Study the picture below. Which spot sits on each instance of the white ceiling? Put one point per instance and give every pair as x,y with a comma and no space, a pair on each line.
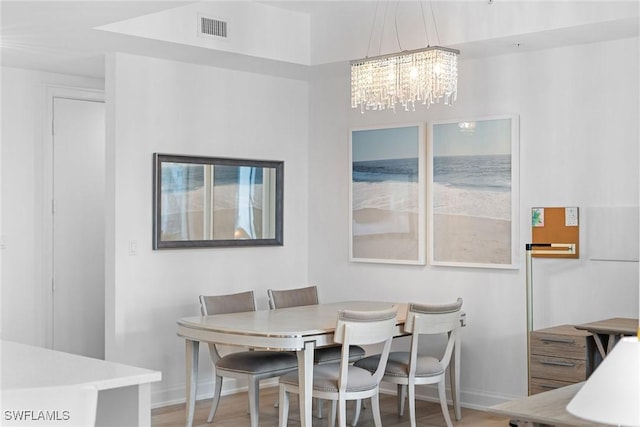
62,36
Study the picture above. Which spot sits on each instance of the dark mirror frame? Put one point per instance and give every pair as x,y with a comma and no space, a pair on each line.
159,159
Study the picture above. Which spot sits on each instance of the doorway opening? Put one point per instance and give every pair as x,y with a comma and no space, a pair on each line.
75,223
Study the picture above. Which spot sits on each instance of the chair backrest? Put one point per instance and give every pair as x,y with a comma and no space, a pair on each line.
71,406
293,297
223,304
432,319
230,303
364,328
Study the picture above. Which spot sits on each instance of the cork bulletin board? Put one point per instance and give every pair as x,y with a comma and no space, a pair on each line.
556,225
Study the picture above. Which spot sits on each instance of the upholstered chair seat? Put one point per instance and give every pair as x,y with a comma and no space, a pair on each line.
257,362
398,365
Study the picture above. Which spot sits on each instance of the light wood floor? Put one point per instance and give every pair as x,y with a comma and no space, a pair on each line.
232,412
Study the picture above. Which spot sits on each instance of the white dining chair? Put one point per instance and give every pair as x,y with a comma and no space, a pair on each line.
342,381
248,365
300,297
64,406
410,368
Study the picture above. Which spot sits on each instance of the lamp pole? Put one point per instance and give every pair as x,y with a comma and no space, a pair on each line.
539,249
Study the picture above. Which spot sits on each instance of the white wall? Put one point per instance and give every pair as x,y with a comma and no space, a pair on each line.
578,109
24,285
170,107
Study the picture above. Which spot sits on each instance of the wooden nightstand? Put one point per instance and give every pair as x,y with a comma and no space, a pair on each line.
559,356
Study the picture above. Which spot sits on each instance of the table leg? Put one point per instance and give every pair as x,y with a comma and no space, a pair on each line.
191,362
598,341
611,343
305,381
455,378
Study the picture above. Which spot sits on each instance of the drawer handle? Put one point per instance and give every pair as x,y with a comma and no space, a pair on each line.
560,340
558,363
550,386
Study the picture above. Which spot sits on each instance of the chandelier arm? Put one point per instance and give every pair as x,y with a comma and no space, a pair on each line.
424,24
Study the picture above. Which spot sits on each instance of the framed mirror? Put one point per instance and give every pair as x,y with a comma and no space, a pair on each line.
212,202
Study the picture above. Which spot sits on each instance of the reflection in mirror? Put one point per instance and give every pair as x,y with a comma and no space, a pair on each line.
205,201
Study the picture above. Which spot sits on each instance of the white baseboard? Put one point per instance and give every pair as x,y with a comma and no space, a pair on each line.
175,395
473,399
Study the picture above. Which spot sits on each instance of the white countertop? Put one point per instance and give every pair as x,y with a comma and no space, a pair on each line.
25,366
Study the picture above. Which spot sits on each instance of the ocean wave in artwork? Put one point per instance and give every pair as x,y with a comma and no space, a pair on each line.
386,195
450,200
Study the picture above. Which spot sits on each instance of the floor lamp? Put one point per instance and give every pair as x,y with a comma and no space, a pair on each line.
539,249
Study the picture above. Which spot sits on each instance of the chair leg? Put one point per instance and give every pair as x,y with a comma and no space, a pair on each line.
319,408
402,395
443,402
333,413
283,407
455,393
375,408
217,390
254,402
342,412
356,416
411,387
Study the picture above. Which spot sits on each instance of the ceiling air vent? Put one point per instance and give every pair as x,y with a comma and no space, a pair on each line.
213,27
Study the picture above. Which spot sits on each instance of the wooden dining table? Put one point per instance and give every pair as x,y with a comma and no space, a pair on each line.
299,329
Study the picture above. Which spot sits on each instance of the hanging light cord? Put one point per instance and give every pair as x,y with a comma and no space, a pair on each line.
373,26
384,21
424,24
395,18
434,21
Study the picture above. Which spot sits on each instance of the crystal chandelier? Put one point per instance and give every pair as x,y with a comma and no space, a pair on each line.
425,76
422,76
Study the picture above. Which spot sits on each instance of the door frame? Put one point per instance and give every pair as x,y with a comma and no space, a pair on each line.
52,92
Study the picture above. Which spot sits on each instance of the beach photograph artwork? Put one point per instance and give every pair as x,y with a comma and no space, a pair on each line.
472,192
387,196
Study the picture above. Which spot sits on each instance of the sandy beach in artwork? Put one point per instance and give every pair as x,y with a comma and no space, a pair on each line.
385,234
469,239
472,210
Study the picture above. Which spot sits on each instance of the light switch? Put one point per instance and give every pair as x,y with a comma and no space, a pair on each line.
571,217
133,247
